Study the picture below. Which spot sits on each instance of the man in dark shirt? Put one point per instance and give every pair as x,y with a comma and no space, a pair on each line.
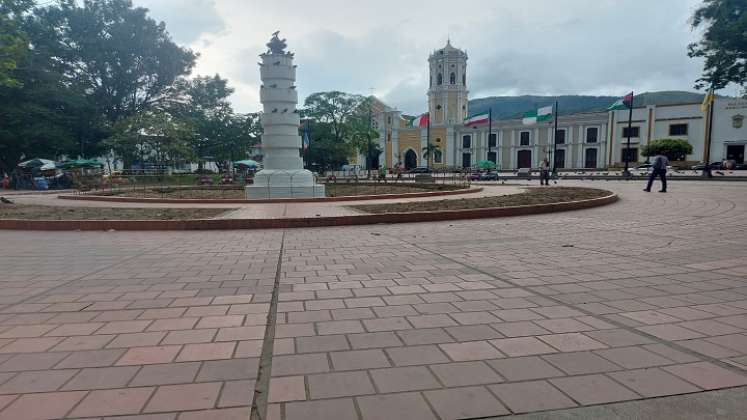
659,168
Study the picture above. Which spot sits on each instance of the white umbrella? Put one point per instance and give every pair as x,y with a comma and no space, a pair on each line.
44,164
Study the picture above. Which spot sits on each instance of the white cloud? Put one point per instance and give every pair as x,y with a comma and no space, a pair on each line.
546,47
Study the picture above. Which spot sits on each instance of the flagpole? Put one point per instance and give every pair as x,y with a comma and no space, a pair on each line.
554,142
626,172
428,142
707,152
490,132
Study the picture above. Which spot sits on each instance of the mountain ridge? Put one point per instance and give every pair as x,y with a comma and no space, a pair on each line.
505,107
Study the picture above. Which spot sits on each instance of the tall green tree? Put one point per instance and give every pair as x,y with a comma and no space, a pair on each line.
324,152
335,109
123,59
14,43
221,135
724,42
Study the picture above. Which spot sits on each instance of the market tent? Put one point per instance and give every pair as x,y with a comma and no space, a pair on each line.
486,164
246,164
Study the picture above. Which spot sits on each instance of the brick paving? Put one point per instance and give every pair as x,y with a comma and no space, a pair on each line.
640,299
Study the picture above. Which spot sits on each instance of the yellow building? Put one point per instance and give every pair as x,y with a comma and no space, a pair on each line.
447,108
582,139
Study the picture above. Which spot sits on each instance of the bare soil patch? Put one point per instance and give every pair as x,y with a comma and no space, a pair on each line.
532,196
237,193
36,212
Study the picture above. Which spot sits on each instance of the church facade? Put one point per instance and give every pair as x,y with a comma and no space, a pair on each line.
589,140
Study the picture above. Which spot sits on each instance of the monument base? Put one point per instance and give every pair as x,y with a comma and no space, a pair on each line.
275,183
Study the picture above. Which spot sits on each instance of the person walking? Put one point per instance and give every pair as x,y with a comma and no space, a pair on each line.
658,168
544,172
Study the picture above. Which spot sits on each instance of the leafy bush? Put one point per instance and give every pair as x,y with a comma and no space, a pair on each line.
673,149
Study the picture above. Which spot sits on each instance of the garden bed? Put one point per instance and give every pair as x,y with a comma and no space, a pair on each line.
532,196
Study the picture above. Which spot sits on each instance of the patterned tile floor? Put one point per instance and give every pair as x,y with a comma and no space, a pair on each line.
456,320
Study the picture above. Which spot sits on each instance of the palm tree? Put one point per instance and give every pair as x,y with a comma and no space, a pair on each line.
428,152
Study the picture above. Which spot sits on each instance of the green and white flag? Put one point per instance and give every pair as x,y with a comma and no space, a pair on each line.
540,115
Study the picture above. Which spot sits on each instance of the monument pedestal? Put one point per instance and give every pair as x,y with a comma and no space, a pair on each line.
279,183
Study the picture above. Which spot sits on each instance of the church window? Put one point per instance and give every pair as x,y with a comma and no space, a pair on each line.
437,156
438,106
466,142
452,78
440,79
464,79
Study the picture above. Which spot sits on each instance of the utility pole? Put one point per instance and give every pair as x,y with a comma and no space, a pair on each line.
707,150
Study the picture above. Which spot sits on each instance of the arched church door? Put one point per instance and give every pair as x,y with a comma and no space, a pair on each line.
411,159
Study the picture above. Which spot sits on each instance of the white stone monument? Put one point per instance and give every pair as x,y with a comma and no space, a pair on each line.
282,175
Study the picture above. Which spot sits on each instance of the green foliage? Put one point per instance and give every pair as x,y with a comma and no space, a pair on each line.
152,136
219,134
673,149
724,43
340,112
13,41
71,72
325,152
428,153
124,59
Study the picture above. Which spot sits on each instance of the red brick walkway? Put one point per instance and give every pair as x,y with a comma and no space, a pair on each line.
640,299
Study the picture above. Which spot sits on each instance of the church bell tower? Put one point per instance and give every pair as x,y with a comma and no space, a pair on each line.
447,93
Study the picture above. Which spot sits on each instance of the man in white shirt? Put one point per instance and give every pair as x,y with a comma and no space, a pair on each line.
659,168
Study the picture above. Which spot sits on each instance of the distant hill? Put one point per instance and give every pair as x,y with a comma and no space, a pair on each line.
515,106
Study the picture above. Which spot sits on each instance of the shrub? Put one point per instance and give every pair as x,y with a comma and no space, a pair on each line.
673,149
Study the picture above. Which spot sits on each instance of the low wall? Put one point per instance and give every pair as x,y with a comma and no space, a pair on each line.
116,199
366,219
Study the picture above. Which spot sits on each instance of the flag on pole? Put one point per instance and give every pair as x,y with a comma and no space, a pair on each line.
709,97
419,121
306,140
477,119
540,115
625,102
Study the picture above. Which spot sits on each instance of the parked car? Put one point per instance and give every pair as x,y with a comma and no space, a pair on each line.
420,170
714,166
474,176
489,176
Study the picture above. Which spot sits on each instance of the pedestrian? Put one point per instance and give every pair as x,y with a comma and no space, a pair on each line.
658,168
399,172
544,172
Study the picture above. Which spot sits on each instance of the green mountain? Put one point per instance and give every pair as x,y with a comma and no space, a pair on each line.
515,106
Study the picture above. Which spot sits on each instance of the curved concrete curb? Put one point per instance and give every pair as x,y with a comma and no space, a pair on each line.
115,199
367,219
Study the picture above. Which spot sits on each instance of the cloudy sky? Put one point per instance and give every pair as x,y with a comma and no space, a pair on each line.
514,46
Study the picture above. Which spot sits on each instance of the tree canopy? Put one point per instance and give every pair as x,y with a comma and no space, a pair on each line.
83,78
673,149
724,42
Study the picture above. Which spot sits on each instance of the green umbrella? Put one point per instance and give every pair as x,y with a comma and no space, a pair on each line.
486,164
248,163
82,163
